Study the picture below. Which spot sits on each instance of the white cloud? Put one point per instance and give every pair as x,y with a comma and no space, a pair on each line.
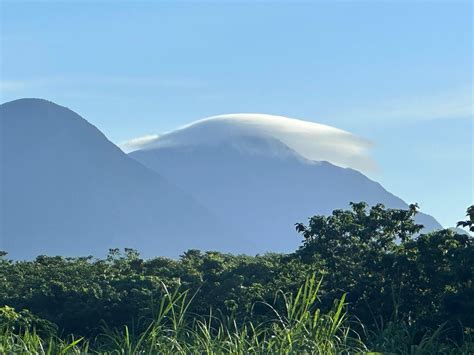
137,143
311,140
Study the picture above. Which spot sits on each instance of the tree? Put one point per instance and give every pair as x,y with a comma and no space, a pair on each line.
470,222
379,258
355,249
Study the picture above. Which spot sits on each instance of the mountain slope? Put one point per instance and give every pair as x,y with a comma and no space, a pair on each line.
311,140
67,190
258,184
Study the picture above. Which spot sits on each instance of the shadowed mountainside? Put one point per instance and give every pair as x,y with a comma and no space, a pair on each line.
259,185
68,190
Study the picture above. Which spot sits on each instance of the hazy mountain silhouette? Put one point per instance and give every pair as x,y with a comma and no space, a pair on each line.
67,190
258,184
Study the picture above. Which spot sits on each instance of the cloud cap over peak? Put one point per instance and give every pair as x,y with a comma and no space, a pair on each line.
311,140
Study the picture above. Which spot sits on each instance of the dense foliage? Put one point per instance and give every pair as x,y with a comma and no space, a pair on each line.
400,291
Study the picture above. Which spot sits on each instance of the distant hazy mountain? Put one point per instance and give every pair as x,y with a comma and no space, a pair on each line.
230,183
459,231
239,167
65,189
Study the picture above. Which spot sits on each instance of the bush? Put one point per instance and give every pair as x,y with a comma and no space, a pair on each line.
401,291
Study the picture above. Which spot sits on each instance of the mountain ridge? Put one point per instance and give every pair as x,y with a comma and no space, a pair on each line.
311,140
66,189
64,184
279,190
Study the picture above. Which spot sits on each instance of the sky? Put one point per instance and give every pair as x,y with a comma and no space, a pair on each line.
398,73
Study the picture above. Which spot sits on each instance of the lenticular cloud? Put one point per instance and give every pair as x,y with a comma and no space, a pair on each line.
311,140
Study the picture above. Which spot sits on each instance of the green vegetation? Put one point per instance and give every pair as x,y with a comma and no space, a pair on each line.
362,281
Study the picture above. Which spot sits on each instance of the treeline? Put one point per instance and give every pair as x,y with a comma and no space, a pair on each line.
400,290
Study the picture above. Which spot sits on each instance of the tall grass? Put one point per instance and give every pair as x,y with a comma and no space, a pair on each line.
301,328
398,338
29,342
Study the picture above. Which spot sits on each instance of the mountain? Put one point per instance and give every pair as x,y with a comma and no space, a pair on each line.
311,140
459,231
234,183
260,181
66,189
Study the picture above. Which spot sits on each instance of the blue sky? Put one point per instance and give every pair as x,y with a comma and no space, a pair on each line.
398,73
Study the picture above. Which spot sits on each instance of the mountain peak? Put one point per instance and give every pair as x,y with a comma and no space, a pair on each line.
313,141
25,100
63,183
40,124
33,104
40,114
